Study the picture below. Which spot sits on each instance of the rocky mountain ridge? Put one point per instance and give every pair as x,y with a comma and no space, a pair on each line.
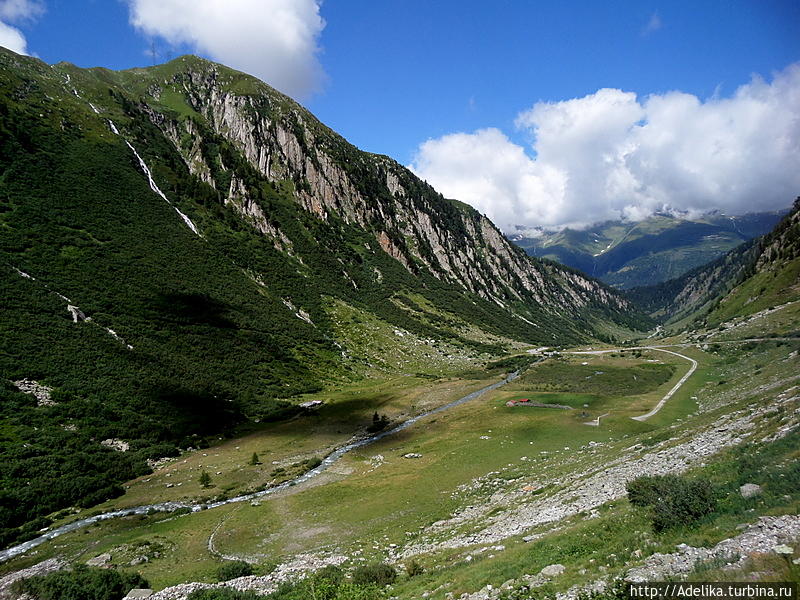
407,217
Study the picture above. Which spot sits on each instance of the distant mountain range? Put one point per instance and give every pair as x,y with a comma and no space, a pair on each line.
659,248
757,275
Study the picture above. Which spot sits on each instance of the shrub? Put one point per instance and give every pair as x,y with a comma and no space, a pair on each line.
82,583
313,463
380,574
331,574
673,500
328,583
234,569
414,568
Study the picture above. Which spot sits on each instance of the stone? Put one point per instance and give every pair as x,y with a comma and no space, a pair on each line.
412,455
139,560
783,549
100,560
552,570
138,593
750,490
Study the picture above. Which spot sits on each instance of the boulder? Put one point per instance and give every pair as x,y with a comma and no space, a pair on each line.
100,560
552,570
750,490
138,593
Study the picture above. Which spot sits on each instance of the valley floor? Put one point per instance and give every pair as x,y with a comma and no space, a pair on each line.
484,495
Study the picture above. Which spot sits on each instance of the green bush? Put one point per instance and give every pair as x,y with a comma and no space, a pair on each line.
82,583
313,463
379,574
414,568
673,500
234,569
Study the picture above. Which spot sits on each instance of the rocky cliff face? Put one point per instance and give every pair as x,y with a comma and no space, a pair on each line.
408,219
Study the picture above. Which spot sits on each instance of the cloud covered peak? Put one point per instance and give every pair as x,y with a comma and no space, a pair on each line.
610,155
275,40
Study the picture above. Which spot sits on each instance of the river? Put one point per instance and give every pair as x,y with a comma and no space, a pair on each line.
326,463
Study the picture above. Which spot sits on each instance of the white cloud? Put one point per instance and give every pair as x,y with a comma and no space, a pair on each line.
12,38
275,40
610,155
15,11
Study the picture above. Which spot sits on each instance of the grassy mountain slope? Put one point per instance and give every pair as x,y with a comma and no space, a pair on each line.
660,248
251,268
757,275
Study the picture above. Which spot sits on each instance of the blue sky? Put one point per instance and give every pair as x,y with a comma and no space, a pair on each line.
393,74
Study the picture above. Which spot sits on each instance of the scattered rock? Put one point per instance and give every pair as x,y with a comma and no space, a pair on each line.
37,390
43,568
768,534
116,444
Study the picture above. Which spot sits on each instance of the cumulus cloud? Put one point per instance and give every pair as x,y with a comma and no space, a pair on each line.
612,155
275,40
16,11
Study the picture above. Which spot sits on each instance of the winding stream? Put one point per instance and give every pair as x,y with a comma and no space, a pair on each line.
326,463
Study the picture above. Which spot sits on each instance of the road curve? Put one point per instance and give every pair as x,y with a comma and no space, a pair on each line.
670,393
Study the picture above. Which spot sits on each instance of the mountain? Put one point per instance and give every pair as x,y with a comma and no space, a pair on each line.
184,249
659,248
755,276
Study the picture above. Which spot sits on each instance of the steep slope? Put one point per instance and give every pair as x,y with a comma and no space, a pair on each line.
184,248
660,248
757,275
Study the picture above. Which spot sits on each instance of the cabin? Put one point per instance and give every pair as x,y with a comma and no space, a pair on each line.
520,401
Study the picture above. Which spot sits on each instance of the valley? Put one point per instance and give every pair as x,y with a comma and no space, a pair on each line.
243,357
458,491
